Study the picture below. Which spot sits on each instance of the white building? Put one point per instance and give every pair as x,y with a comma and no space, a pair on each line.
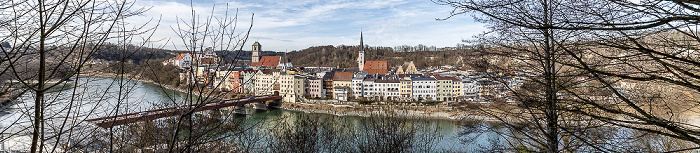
388,89
290,87
182,60
470,88
357,86
424,89
267,84
368,89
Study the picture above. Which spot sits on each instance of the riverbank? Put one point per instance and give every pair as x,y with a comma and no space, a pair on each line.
111,75
388,110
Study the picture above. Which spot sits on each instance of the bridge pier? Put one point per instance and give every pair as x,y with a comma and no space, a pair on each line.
274,103
260,106
239,110
214,113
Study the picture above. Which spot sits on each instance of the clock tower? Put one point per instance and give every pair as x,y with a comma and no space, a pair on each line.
256,49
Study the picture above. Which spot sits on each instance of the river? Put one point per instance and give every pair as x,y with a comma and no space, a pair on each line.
97,97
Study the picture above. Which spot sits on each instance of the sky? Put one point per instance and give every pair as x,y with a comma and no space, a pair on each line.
289,25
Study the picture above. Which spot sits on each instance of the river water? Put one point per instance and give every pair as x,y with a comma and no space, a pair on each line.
97,97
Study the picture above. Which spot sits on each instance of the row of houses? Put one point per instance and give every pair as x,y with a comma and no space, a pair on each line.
349,84
371,80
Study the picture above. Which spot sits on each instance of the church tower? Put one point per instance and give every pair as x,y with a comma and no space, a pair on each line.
256,56
361,55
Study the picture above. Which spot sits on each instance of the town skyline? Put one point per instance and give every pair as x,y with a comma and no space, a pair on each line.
289,26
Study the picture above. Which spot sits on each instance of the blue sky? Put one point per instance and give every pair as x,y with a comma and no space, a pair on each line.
294,25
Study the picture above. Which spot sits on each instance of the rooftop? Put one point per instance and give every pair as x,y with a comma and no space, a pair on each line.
343,76
423,79
268,61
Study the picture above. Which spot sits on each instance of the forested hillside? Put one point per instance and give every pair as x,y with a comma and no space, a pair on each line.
346,56
111,52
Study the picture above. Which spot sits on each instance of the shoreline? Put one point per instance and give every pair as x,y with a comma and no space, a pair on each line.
110,75
386,111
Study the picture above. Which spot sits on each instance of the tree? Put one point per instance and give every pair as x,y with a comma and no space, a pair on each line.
48,42
521,39
616,45
198,35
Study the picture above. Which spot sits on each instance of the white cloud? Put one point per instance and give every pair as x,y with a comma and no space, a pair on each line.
294,25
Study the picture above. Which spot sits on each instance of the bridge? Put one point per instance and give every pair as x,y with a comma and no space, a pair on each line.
238,105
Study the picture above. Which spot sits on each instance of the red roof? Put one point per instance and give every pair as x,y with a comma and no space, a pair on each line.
376,67
453,79
268,61
342,76
179,57
208,60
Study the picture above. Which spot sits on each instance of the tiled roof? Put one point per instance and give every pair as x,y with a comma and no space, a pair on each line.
179,57
342,76
268,61
387,81
423,79
376,67
208,60
453,79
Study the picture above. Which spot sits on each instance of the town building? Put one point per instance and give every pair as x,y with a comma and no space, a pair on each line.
388,89
328,84
487,89
268,61
315,89
456,88
407,68
182,61
267,84
292,87
248,81
207,57
228,80
376,67
342,83
424,89
357,85
406,89
443,87
470,89
368,90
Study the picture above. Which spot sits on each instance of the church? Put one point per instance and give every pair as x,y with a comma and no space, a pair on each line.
267,61
372,67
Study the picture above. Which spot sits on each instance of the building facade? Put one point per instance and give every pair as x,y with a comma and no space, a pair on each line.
316,88
424,89
406,89
443,87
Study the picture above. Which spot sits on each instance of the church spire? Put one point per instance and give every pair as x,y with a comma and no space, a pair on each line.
362,46
361,55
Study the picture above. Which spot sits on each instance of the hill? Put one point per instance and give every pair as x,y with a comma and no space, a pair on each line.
346,56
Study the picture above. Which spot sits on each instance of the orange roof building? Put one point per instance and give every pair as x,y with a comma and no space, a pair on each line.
376,67
268,61
342,76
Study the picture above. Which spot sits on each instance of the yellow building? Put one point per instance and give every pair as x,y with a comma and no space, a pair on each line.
405,88
457,88
342,80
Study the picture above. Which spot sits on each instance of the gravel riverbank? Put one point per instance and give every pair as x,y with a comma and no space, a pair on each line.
391,111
